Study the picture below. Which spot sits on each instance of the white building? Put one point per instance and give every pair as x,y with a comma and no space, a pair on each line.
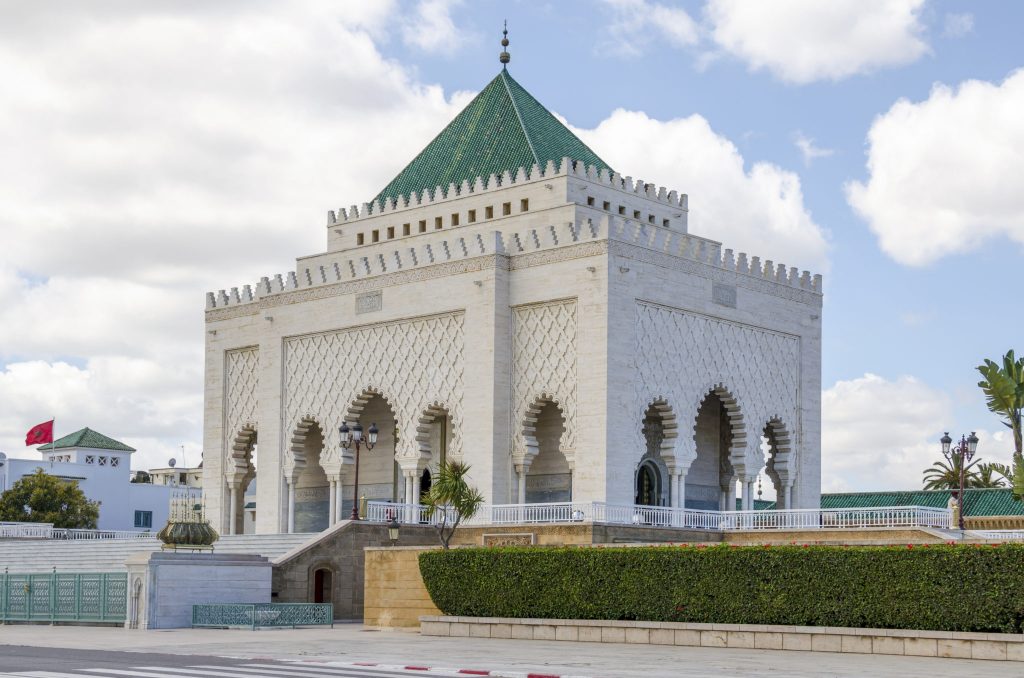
177,476
510,300
101,466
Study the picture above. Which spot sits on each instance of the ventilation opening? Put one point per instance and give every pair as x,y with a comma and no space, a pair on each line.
375,237
524,205
636,214
506,209
666,223
471,216
650,218
360,238
406,229
438,223
391,232
455,219
423,226
606,206
489,212
590,201
622,209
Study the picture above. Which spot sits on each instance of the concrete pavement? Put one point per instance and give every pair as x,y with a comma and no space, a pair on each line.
354,643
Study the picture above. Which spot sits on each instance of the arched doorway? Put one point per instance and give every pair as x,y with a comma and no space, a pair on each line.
549,478
323,581
312,488
380,476
648,485
425,482
711,479
240,475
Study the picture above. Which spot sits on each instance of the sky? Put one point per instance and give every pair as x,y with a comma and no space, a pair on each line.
156,151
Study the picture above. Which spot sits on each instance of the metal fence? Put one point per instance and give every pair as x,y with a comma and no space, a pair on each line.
259,615
64,597
48,531
1005,535
692,519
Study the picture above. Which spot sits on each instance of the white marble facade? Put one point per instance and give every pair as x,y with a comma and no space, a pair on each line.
558,329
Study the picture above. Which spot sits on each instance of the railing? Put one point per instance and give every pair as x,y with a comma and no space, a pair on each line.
48,531
258,615
1005,535
693,519
64,596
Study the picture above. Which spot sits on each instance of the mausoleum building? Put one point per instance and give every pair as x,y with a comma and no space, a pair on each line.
512,301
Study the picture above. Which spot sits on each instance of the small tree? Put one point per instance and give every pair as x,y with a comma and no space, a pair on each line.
42,498
451,500
1004,394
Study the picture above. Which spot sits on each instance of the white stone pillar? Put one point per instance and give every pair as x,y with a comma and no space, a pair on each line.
333,510
680,492
787,496
232,508
416,488
521,489
339,498
748,495
730,496
291,505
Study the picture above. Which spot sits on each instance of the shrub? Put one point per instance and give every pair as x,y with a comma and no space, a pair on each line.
936,587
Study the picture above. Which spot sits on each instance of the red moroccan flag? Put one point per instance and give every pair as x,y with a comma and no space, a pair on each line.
40,433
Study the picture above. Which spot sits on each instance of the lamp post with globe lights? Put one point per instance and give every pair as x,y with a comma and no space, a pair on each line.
964,451
354,436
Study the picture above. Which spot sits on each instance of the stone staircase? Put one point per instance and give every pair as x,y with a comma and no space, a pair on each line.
108,555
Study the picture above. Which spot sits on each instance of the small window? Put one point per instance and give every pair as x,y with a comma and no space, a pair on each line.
406,229
524,205
636,214
51,457
489,212
650,218
590,201
455,219
506,209
665,222
606,206
144,519
89,459
471,216
391,232
423,226
375,236
360,238
103,461
622,210
438,223
115,461
183,478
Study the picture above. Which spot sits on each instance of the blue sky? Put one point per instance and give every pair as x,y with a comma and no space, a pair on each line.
160,151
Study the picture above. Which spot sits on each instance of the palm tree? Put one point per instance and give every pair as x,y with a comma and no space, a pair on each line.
1004,394
944,476
451,500
991,475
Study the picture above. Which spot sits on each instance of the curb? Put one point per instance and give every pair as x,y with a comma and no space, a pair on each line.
439,669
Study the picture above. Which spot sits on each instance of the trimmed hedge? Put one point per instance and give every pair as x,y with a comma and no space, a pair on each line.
937,587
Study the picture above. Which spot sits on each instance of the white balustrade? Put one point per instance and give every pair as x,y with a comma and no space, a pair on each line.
693,519
48,531
1005,535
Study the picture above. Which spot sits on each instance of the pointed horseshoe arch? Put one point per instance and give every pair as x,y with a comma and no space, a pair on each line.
242,446
669,428
435,412
298,440
528,426
737,426
780,458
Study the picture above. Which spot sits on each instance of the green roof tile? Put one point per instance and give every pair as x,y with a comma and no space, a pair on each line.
978,502
86,438
502,129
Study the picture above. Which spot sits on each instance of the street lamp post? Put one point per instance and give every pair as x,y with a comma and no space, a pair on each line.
964,451
354,436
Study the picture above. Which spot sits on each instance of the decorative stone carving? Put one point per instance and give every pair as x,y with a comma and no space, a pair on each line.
415,364
543,369
682,356
241,395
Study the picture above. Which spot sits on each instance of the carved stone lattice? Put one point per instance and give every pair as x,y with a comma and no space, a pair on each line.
543,369
682,356
415,365
241,394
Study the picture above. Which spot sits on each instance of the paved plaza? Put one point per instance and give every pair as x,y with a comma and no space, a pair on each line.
353,643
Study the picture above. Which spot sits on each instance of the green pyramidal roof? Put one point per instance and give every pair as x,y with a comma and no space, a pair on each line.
502,129
86,438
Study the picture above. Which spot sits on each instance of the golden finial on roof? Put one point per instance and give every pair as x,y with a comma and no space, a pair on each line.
504,57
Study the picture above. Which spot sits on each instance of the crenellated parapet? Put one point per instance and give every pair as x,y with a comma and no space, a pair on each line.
524,175
438,248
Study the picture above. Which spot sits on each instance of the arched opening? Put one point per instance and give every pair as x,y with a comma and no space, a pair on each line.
549,477
380,476
711,479
433,434
241,477
778,449
323,581
648,485
312,487
425,482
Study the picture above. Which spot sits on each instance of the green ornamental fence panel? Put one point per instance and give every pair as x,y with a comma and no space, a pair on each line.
257,615
64,597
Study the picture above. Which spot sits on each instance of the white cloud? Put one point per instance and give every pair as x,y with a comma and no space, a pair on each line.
759,210
808,150
945,172
958,25
431,28
635,22
801,41
880,434
155,151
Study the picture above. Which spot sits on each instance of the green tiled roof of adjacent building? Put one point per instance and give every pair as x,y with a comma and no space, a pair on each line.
86,438
978,502
502,129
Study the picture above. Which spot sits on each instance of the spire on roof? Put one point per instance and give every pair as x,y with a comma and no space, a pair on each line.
504,57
